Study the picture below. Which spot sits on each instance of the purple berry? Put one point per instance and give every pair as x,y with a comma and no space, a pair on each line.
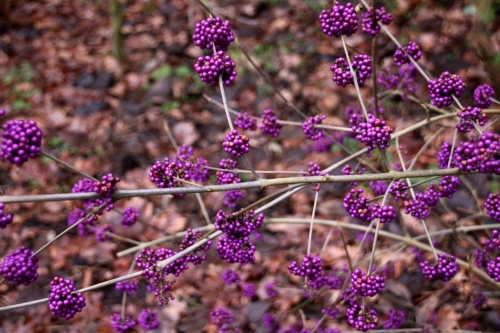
122,326
209,68
129,286
442,89
148,319
448,186
339,20
379,187
478,300
395,320
479,154
492,205
361,65
412,49
167,174
365,285
221,316
2,112
244,121
362,318
368,26
385,213
86,227
271,322
493,269
374,133
357,205
400,190
482,95
236,144
310,131
269,125
310,269
444,155
20,266
445,269
235,249
62,302
468,116
249,289
130,215
5,219
21,140
230,276
417,207
102,233
270,289
213,31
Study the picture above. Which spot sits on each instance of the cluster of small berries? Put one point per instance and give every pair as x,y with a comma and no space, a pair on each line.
102,233
221,317
492,205
315,170
310,131
62,301
482,95
357,206
86,227
362,318
404,79
270,290
20,266
374,133
21,140
479,154
236,144
148,319
478,300
490,247
5,218
270,322
209,68
244,121
228,177
198,171
331,312
445,269
468,116
129,217
395,320
128,286
443,156
213,32
126,325
442,89
249,289
347,170
310,268
339,20
230,277
269,124
361,65
87,185
366,285
167,174
401,54
369,26
354,115
379,187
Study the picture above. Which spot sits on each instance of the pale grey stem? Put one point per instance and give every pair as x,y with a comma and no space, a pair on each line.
312,222
69,166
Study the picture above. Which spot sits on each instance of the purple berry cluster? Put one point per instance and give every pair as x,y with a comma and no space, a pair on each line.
168,173
221,316
271,322
236,144
479,154
270,290
129,217
244,121
395,320
310,131
442,89
213,32
129,286
369,26
62,302
379,187
468,116
357,205
401,54
209,68
315,170
482,95
447,186
230,277
332,312
269,124
361,66
488,249
339,20
148,319
249,289
492,205
362,318
5,218
227,177
87,185
366,285
20,266
126,325
310,269
374,133
2,112
102,233
385,213
86,227
183,153
418,207
445,269
443,156
354,114
21,140
493,269
478,300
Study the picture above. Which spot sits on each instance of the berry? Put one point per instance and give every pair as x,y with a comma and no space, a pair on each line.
385,213
444,155
364,285
479,300
479,154
445,269
236,144
2,112
482,95
183,153
310,269
200,172
374,133
331,312
315,170
271,322
107,186
448,186
269,125
361,65
412,49
244,121
339,20
236,250
310,131
468,116
21,140
230,276
130,215
167,174
387,80
62,302
442,89
379,187
148,319
362,318
129,286
399,190
395,320
417,207
87,185
101,235
492,205
493,269
240,226
5,219
249,289
209,68
357,205
221,316
354,114
85,228
270,289
368,26
122,326
213,31
20,266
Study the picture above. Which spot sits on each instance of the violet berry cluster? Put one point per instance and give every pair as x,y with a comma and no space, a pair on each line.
209,68
374,133
315,170
228,177
310,131
148,319
366,285
129,217
20,266
339,20
492,205
361,65
362,318
483,95
269,124
21,140
479,154
230,277
126,325
212,32
5,218
62,301
310,269
395,320
369,26
468,116
443,88
401,54
244,121
221,317
488,256
236,144
128,286
357,206
445,268
167,174
235,245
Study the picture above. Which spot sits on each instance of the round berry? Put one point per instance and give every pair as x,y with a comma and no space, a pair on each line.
213,31
62,301
130,215
442,89
20,266
339,20
5,218
236,144
21,140
122,326
412,49
482,95
368,26
269,124
148,319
